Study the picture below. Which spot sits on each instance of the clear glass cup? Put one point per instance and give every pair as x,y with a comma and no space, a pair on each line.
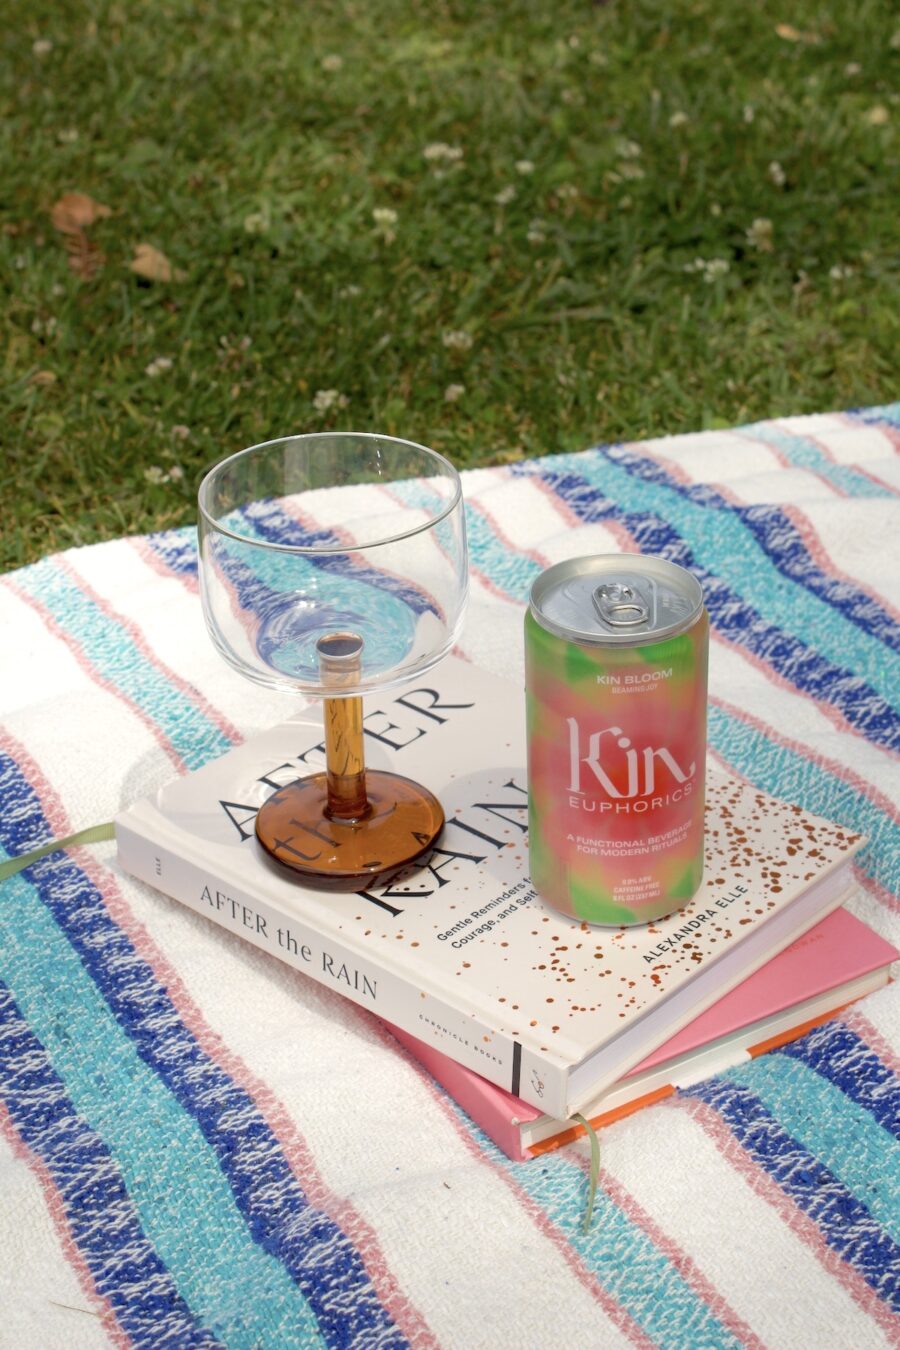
335,565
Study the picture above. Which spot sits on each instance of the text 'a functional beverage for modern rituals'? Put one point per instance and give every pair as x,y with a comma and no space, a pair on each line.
616,668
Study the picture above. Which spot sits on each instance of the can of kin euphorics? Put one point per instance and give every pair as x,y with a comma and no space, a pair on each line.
616,650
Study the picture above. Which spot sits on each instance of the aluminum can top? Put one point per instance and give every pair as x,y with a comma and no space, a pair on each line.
616,599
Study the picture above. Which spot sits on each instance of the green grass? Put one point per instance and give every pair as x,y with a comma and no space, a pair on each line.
229,136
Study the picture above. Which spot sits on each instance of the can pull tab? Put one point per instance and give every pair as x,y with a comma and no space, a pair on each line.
620,606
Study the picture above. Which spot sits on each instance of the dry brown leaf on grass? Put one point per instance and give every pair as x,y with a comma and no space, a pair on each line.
75,211
789,33
152,265
73,215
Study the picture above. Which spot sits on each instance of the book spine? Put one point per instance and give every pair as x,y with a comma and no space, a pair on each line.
460,1035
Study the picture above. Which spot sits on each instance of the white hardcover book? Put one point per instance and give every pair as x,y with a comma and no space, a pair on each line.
460,951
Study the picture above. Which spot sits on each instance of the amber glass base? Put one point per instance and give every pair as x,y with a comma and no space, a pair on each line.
401,822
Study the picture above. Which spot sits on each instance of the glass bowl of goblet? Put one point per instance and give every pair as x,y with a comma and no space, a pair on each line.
334,565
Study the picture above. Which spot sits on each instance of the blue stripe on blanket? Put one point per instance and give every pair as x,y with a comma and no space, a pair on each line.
839,1055
623,1260
177,549
204,1242
888,413
719,548
779,538
200,1133
805,454
125,1268
846,667
793,777
843,1221
829,1123
112,652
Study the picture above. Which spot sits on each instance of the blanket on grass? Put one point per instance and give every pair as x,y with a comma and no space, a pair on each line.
199,1147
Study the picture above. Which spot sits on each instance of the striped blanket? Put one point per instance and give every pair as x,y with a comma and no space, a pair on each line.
201,1148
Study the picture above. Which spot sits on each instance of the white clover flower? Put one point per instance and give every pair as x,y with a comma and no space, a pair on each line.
536,232
626,149
715,209
879,116
852,68
457,340
749,113
441,152
454,392
524,167
505,195
42,47
180,432
679,119
710,268
759,235
158,366
255,223
716,267
777,174
840,272
385,218
67,136
154,474
567,192
332,62
349,292
326,399
175,474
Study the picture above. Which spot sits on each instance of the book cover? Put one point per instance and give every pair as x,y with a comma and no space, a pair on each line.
835,963
460,951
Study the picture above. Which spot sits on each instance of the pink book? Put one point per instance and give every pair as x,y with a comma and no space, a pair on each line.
836,962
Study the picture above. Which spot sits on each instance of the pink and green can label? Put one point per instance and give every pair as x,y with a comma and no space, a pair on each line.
616,650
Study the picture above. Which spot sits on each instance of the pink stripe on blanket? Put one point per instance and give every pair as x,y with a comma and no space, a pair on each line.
149,555
95,676
685,1265
889,433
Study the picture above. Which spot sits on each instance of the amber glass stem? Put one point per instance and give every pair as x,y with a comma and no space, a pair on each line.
339,664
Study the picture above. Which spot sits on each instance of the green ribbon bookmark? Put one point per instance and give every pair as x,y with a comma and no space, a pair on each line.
94,834
595,1171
